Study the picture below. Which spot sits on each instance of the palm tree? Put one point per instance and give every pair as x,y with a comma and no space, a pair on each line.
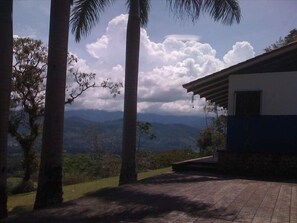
6,45
86,14
128,168
49,190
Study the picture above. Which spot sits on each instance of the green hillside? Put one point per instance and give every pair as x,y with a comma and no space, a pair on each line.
82,126
80,134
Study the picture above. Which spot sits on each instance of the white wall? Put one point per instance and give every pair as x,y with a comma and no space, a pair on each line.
279,91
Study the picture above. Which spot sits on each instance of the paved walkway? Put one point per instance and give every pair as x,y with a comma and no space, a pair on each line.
181,197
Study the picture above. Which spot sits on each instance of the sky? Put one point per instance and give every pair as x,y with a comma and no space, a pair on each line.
172,51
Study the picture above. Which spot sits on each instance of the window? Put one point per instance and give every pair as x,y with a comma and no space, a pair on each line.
247,103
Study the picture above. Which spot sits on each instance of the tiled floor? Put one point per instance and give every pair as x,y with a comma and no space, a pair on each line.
181,197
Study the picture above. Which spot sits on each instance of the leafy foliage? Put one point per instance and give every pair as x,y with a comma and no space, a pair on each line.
27,98
28,94
144,130
86,167
226,11
291,37
213,138
165,159
85,15
78,168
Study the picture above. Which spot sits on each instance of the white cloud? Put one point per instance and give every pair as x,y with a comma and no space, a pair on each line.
182,37
240,52
109,49
164,67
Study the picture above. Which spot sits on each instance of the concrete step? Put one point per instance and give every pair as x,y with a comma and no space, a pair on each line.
207,164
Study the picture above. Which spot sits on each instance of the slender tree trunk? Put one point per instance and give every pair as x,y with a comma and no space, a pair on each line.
138,136
128,168
6,43
27,165
49,190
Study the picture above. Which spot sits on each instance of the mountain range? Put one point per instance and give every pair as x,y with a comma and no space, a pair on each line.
86,129
171,131
103,116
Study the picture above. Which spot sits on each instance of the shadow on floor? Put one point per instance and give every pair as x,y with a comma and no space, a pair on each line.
125,203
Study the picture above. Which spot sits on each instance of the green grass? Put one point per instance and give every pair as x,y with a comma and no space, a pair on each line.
24,202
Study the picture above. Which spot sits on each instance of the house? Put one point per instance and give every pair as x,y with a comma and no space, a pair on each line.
260,95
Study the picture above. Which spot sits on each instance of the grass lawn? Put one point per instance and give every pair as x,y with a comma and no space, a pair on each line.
24,202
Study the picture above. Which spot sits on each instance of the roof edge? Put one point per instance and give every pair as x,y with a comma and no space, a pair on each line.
260,58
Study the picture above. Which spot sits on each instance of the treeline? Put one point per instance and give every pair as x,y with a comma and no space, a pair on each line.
85,167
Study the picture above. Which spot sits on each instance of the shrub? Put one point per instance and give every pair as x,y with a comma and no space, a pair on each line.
24,187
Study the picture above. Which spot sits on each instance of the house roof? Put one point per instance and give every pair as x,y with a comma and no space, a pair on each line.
214,87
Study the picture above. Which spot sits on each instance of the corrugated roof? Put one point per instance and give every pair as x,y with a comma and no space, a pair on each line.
214,87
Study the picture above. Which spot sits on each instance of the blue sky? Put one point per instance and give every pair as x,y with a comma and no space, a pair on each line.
173,52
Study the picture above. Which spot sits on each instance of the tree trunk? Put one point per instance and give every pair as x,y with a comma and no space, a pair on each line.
49,190
27,165
6,44
128,168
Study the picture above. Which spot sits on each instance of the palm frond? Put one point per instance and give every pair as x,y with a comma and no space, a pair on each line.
226,11
186,8
85,14
144,10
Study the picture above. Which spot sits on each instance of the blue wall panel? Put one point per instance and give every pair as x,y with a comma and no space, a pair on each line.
273,134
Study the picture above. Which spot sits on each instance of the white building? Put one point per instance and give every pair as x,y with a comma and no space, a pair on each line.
261,97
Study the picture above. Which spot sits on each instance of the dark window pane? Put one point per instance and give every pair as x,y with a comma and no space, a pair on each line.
248,103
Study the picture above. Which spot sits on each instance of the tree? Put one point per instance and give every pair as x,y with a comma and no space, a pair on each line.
291,37
144,129
212,112
85,15
128,168
5,84
28,94
49,191
213,138
27,99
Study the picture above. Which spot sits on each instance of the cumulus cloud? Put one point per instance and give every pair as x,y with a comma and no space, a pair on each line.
109,49
240,52
164,68
183,37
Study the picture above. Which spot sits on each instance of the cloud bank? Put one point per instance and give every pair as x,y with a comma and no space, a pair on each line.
163,68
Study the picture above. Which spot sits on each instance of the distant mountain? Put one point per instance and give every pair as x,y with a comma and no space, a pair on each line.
94,115
79,135
103,116
81,125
